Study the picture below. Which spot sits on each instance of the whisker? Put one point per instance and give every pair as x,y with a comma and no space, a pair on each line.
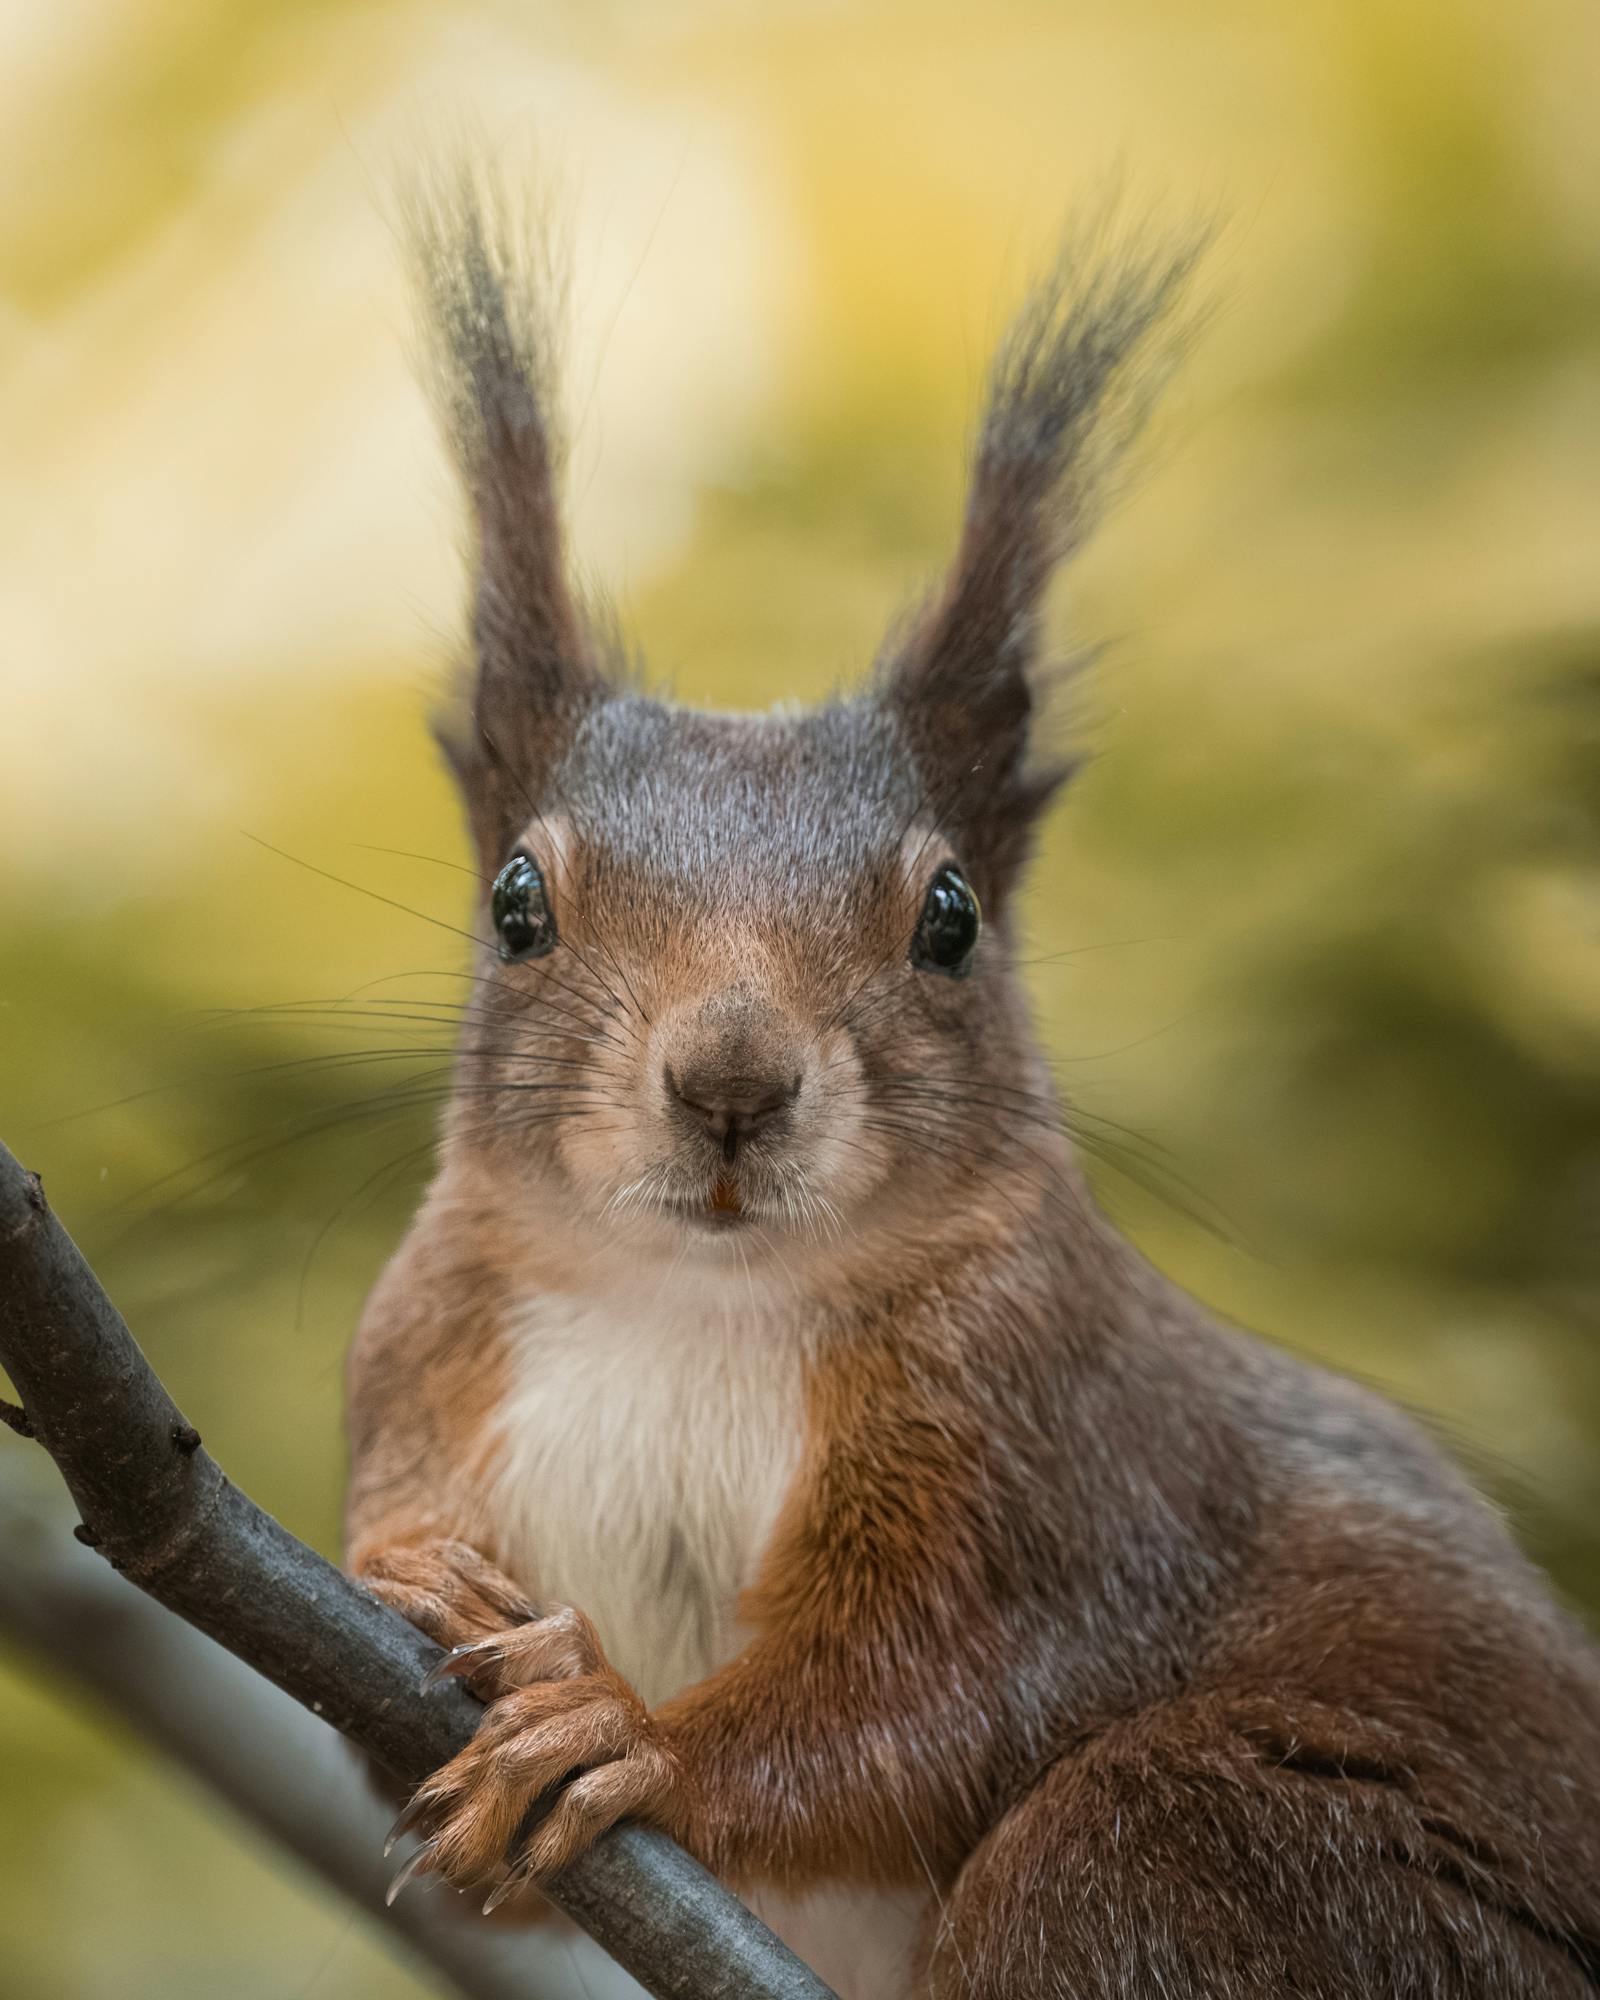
433,860
361,890
340,1059
1082,950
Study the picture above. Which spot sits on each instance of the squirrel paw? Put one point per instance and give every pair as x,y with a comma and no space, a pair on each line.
447,1590
560,1646
563,1754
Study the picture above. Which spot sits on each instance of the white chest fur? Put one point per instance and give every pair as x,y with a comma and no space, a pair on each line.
646,1446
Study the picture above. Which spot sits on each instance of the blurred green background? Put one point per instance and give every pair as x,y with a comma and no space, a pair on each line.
1316,939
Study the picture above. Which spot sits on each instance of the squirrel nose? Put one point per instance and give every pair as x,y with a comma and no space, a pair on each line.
732,1108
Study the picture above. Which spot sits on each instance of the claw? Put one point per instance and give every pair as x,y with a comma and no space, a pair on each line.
403,1825
413,1865
508,1885
459,1660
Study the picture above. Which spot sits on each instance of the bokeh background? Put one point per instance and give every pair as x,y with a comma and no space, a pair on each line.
1316,940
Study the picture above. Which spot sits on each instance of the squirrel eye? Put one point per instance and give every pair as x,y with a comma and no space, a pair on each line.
520,908
947,930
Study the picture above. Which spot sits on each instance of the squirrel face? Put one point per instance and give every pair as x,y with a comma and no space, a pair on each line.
750,977
740,984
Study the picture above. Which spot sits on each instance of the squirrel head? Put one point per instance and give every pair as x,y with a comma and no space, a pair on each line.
750,977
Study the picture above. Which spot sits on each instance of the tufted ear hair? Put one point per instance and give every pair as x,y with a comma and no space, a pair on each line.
488,303
1069,391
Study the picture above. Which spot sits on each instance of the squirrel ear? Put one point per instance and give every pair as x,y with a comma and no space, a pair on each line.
1068,394
490,347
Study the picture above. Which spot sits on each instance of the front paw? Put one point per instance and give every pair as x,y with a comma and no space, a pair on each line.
560,1646
446,1589
554,1764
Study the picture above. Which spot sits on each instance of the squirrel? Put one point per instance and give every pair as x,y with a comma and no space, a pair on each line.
769,1425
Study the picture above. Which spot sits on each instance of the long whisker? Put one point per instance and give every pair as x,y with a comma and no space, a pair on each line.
433,860
382,1104
361,890
1083,950
340,1059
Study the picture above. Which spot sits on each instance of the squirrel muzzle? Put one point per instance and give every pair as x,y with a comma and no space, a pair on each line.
732,1070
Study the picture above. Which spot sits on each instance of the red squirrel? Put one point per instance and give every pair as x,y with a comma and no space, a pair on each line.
764,1417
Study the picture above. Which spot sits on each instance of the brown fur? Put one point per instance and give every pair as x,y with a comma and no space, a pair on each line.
1158,1663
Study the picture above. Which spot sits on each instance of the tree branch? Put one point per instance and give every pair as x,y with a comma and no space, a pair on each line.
269,1758
159,1509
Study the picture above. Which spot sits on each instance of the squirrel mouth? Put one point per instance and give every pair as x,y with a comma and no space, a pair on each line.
725,1199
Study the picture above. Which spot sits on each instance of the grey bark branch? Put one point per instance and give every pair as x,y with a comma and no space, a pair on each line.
274,1763
159,1509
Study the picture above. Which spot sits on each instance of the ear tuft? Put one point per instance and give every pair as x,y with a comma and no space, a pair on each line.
490,297
1069,393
